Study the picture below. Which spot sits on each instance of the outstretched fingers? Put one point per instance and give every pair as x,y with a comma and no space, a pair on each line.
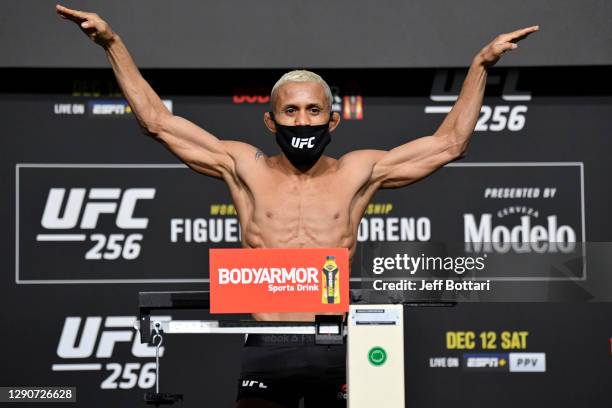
519,35
70,14
503,43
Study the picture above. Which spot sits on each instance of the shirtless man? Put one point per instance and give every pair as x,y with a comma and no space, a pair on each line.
298,198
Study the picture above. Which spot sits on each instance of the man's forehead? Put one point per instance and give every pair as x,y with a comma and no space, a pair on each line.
301,92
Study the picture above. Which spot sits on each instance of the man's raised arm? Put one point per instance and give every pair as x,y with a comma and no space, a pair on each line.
417,159
196,147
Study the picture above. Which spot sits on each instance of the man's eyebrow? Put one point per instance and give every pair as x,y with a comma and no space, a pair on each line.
310,105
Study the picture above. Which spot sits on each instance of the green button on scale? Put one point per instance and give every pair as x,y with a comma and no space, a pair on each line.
377,356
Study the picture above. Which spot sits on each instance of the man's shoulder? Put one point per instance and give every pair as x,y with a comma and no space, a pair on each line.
244,153
239,149
363,157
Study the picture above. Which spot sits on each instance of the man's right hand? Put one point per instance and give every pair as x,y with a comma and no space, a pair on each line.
90,23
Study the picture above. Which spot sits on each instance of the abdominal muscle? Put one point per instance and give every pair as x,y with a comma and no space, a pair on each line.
334,236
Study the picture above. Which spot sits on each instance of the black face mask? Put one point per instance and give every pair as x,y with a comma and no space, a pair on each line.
302,145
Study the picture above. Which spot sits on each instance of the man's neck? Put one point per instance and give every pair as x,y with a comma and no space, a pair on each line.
319,167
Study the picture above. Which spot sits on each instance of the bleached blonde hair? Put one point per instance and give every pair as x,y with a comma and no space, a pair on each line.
301,75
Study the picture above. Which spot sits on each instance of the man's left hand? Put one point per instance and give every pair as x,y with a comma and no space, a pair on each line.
493,51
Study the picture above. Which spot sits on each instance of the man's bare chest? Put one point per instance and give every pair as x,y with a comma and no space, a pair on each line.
311,200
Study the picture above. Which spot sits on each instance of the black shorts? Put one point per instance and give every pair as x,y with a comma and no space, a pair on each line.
286,368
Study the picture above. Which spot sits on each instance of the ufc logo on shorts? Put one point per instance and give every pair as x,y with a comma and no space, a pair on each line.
300,143
93,208
253,383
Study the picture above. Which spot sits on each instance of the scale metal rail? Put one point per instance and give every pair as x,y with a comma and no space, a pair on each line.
327,328
365,322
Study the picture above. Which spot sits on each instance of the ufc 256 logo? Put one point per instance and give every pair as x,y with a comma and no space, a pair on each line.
509,116
89,344
80,209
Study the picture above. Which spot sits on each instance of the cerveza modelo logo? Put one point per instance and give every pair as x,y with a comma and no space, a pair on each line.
524,237
521,223
71,214
109,344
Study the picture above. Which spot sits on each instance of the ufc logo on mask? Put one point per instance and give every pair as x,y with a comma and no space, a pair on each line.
301,142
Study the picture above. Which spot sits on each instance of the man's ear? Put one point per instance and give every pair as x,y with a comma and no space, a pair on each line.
334,121
269,122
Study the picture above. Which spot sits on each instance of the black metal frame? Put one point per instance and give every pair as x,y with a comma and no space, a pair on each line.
149,301
200,300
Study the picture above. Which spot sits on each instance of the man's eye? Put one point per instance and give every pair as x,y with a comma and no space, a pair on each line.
315,110
289,110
